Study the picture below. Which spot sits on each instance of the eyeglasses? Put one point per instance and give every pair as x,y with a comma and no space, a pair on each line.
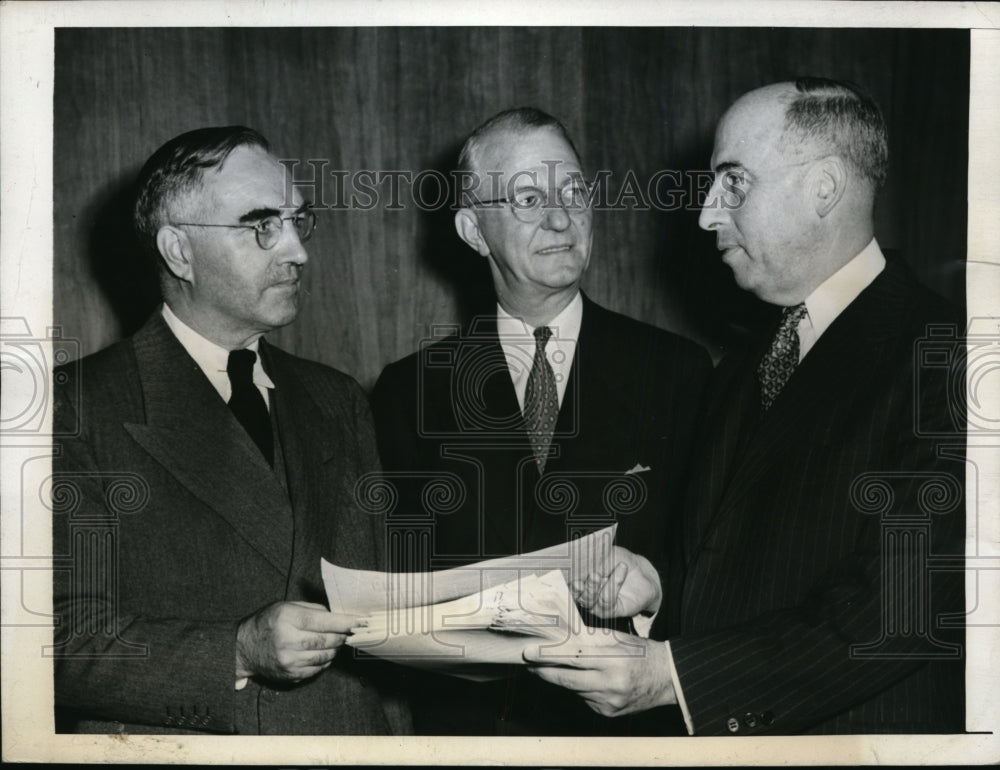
268,230
529,204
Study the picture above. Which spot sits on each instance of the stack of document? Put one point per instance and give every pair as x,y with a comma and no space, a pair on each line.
469,621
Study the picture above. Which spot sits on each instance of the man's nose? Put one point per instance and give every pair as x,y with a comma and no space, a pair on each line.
555,217
292,249
712,210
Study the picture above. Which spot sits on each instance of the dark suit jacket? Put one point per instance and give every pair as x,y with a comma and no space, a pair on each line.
449,414
817,539
171,527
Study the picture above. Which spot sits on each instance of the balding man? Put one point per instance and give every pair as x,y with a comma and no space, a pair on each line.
801,598
555,416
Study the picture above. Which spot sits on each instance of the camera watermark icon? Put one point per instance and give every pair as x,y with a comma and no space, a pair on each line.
472,373
28,364
961,372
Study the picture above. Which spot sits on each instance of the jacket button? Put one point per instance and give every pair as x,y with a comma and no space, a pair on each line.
733,724
750,719
767,718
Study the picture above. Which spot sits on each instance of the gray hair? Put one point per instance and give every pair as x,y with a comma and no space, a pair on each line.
843,117
516,119
178,167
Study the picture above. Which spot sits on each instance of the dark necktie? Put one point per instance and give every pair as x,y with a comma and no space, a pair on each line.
248,404
782,357
541,400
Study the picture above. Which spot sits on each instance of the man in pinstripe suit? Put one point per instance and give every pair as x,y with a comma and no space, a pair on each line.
822,545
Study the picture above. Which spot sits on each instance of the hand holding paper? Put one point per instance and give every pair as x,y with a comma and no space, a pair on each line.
614,673
289,641
631,588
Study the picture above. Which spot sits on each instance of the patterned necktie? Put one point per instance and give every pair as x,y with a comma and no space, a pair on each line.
782,357
248,404
541,400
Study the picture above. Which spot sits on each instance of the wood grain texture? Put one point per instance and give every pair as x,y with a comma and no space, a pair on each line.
378,281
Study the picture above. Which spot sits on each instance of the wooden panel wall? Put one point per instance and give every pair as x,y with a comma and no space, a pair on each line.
404,98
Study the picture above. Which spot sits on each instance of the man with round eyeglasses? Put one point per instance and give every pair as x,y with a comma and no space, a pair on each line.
549,415
201,608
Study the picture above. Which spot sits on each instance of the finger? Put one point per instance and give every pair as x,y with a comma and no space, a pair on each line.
586,596
309,605
610,590
568,654
568,678
314,659
324,621
307,672
319,641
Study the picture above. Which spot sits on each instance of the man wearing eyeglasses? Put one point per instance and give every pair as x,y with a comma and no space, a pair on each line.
548,416
199,607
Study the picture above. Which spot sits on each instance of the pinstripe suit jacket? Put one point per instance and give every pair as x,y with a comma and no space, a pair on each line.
810,600
170,528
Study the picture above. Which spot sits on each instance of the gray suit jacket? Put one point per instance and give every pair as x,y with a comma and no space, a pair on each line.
170,528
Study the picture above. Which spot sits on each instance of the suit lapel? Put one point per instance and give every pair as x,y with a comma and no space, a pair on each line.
484,389
846,352
481,361
737,397
192,433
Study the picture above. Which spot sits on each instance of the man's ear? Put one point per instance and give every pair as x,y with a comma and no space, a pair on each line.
467,226
175,248
828,182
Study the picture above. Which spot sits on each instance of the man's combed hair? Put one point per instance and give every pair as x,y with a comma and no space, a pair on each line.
177,167
514,120
844,117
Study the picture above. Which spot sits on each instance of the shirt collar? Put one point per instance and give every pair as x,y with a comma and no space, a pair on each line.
832,297
565,326
211,358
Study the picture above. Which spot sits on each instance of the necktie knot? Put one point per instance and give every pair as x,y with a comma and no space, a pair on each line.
239,367
791,316
542,336
782,357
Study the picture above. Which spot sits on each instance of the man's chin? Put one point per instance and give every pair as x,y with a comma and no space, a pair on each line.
282,316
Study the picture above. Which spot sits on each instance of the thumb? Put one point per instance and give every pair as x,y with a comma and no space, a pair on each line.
532,653
613,587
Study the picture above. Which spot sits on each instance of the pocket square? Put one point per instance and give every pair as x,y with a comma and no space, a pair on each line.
637,468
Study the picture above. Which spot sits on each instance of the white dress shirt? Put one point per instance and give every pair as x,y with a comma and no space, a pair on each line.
837,292
518,343
213,360
828,301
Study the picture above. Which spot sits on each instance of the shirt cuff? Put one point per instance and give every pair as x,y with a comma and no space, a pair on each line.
678,692
242,682
642,624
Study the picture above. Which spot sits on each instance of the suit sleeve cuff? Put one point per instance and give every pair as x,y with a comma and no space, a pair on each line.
678,692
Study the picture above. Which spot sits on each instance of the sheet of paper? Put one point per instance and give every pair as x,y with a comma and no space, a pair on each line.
362,592
469,621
